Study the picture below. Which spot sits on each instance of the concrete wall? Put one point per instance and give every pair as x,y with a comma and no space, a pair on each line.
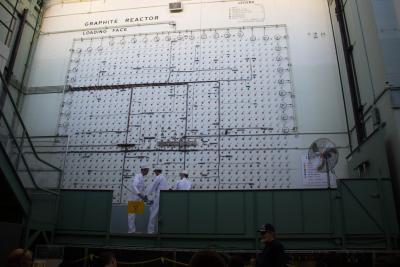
316,83
374,31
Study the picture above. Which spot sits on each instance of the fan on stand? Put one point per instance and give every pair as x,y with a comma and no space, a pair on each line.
324,150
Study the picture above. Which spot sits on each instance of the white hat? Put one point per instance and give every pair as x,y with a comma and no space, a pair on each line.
157,168
144,166
185,172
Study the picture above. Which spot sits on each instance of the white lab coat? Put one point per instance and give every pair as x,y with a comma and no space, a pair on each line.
183,184
136,187
159,183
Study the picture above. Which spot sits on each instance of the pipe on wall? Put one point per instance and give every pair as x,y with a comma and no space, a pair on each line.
351,73
341,79
14,51
13,56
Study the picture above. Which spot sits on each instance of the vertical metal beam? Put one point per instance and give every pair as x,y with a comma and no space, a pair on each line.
14,51
351,72
13,56
340,75
10,32
30,53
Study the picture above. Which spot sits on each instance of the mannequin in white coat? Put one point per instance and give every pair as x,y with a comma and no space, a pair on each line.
183,183
159,183
136,190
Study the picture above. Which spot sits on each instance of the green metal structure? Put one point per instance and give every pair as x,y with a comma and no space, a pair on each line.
359,214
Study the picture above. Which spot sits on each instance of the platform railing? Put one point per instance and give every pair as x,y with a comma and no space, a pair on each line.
19,147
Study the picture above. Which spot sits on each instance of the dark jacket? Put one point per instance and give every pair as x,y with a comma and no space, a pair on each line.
273,255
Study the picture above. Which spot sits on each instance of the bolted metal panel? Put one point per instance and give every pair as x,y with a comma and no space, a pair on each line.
193,219
293,212
288,211
81,210
202,213
43,211
231,213
263,208
218,102
317,212
364,204
177,218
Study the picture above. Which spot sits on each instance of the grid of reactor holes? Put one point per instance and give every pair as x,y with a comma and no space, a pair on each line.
227,90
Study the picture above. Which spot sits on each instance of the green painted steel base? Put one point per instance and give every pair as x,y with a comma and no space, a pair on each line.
359,214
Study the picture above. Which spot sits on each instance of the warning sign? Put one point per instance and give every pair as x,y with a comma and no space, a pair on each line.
136,206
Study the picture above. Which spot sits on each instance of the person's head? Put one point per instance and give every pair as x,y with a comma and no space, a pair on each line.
207,258
184,174
236,261
20,258
105,259
144,170
157,170
267,232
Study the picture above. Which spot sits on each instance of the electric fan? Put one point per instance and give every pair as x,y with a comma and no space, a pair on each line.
325,151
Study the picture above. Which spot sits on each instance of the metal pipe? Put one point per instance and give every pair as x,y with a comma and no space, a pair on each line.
15,48
5,26
28,58
21,146
351,74
341,79
12,19
23,158
7,92
49,136
21,84
365,50
6,9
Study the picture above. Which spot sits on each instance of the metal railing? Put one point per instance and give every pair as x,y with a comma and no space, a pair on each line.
18,145
54,150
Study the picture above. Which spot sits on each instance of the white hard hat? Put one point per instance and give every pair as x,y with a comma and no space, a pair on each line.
185,172
144,166
157,168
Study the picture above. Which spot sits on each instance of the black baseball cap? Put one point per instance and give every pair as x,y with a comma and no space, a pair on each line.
266,228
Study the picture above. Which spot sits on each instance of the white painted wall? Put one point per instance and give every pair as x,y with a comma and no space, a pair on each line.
318,99
314,60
